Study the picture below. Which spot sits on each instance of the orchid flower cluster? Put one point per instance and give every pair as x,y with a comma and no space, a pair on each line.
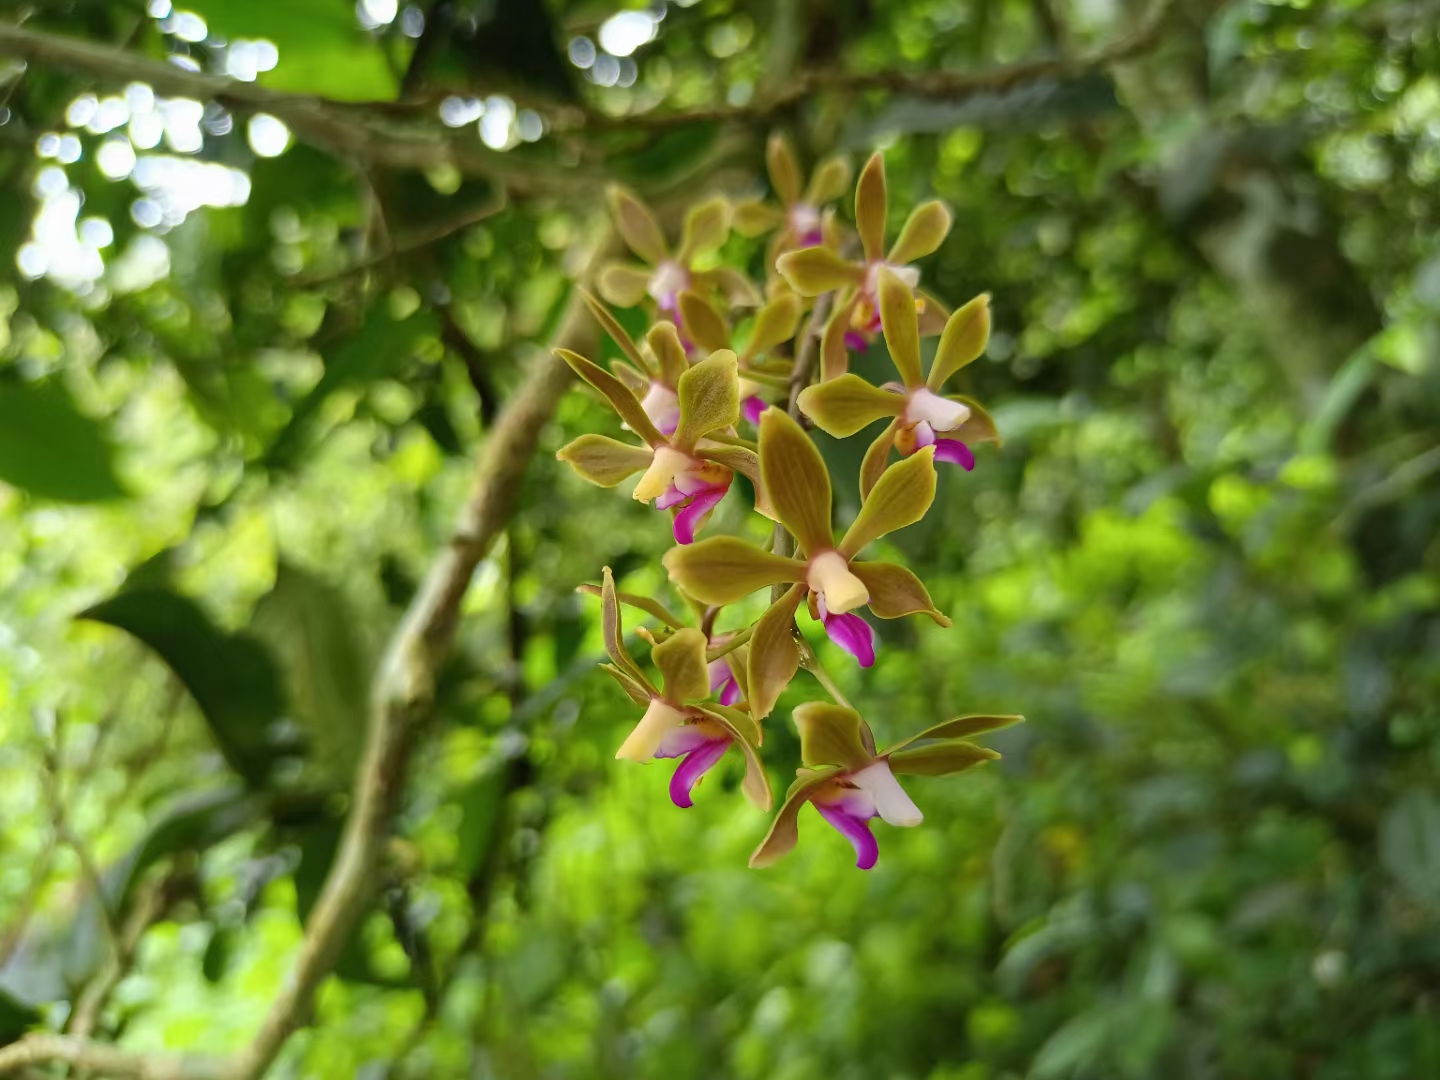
716,364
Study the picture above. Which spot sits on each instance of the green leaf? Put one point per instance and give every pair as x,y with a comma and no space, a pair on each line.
482,803
230,676
323,49
50,449
310,633
379,345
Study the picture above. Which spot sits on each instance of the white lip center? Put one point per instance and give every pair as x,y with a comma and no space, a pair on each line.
891,803
942,414
910,275
669,281
829,575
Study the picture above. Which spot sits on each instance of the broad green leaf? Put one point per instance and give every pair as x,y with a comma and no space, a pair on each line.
231,676
50,449
311,634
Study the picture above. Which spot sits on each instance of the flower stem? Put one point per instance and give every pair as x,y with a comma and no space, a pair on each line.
740,637
811,663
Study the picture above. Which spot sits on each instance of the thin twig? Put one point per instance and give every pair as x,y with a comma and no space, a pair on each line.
811,663
410,244
408,134
109,1061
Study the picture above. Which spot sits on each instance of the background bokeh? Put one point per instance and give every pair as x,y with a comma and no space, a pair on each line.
242,383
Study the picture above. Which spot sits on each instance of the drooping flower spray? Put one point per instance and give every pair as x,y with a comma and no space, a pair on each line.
689,391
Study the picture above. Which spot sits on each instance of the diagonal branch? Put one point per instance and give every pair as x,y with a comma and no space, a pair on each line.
404,689
401,702
407,134
109,1061
370,133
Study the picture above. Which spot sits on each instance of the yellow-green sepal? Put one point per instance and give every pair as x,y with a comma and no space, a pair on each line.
844,405
830,735
603,460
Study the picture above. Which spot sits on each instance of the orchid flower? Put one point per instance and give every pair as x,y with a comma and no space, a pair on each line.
665,275
726,569
657,384
677,722
685,472
848,783
856,317
801,215
775,323
921,415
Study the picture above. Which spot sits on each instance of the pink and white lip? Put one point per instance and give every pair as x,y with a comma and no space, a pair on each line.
675,479
837,593
722,679
700,744
806,225
666,284
662,405
848,802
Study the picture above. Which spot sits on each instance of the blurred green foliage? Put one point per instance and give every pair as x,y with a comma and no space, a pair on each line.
1204,565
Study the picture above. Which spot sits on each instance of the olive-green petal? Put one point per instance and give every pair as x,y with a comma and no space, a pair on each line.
775,323
709,398
618,394
612,326
844,405
902,328
895,592
979,427
872,467
647,604
925,230
724,569
703,324
829,181
784,170
774,657
830,735
637,693
962,727
815,270
603,460
755,217
963,341
637,227
834,353
899,498
681,660
785,829
664,342
622,284
870,207
795,480
706,227
614,632
940,759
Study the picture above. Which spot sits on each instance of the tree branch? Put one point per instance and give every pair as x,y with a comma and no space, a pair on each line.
108,1061
408,134
404,689
402,697
368,133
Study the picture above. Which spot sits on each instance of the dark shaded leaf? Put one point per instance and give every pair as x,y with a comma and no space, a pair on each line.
230,676
50,449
